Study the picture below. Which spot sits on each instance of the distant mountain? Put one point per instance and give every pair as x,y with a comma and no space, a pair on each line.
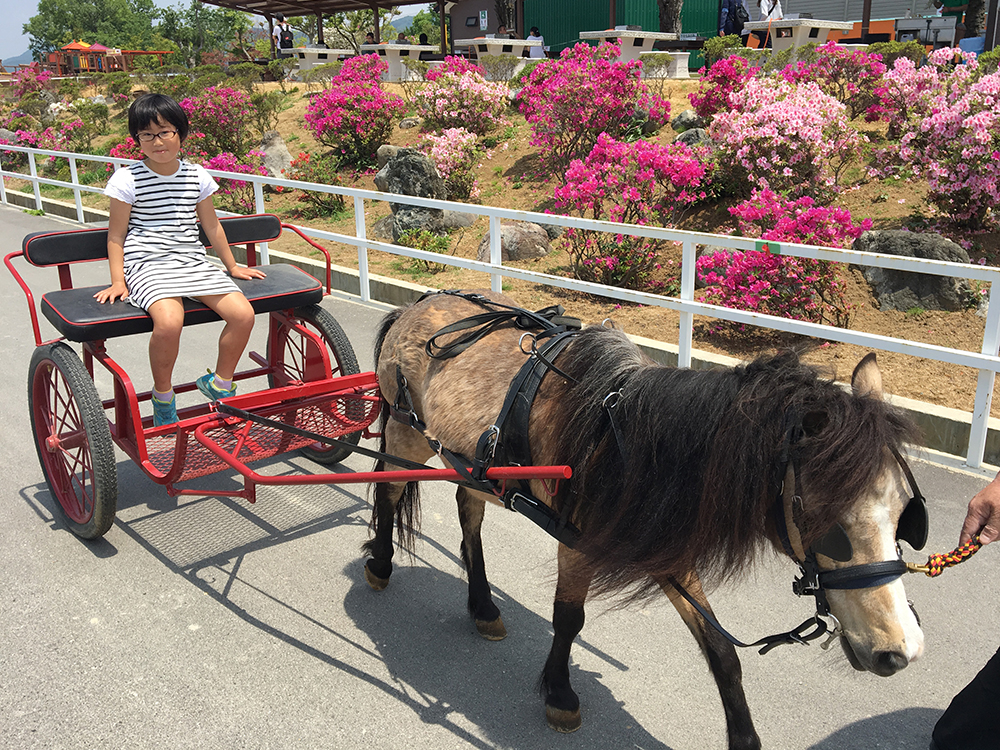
402,23
22,59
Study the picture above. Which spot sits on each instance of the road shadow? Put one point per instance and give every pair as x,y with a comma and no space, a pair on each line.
909,728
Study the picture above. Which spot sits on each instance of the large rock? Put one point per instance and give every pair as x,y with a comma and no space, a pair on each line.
409,172
519,240
904,290
384,153
277,159
688,119
694,137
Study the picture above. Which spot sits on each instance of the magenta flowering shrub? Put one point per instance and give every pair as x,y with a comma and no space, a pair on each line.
632,183
571,101
454,153
789,287
456,66
462,100
354,116
716,84
30,81
225,117
789,138
237,195
849,76
956,146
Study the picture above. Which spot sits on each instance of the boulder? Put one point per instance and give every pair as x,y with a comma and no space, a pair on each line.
384,153
8,136
277,159
409,172
694,137
381,229
409,122
519,240
457,219
904,290
554,231
687,120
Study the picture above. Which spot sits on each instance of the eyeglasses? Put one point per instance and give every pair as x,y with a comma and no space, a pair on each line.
163,135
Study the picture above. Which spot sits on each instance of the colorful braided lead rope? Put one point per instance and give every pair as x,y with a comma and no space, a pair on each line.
936,564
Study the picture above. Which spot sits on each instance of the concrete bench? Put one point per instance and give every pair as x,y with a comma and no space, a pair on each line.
676,68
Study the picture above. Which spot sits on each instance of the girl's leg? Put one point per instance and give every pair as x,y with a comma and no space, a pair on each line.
237,312
168,320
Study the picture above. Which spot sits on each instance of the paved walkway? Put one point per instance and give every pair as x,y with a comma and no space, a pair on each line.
208,623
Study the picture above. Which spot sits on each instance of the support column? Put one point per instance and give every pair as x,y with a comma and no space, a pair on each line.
319,30
378,23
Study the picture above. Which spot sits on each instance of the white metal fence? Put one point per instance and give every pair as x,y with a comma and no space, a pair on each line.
985,361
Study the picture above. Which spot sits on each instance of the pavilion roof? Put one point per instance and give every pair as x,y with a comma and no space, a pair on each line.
307,7
80,45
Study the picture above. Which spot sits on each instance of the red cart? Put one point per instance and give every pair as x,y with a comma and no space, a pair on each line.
316,402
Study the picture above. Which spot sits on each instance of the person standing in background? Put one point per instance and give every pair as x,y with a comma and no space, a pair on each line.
536,36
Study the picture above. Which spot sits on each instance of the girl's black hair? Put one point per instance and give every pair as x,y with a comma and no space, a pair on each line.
149,108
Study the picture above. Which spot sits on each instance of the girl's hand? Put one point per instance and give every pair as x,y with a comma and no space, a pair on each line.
241,272
117,290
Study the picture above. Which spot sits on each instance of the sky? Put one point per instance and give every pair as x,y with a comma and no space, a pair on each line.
14,43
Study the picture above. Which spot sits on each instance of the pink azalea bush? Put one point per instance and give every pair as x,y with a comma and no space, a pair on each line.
716,84
454,153
956,145
787,137
237,195
455,66
462,100
849,76
633,183
786,286
225,117
571,101
354,116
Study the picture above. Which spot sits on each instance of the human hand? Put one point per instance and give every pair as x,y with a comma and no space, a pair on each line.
242,272
983,516
117,290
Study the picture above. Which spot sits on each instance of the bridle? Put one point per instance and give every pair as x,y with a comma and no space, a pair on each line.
911,528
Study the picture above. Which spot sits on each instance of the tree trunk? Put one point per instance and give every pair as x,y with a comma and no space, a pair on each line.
975,18
670,15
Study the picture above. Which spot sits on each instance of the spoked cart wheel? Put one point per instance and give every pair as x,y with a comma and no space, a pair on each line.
298,359
73,440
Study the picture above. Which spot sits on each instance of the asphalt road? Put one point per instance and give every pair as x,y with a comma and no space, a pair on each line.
202,622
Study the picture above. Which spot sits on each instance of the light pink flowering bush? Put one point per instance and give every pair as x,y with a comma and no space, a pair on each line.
849,76
354,116
786,286
462,100
225,116
454,153
716,84
571,101
455,66
956,145
789,138
633,183
237,195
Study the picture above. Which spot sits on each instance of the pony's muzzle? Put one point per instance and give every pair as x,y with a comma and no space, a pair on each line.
886,663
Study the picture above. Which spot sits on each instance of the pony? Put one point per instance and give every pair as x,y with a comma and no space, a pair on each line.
680,479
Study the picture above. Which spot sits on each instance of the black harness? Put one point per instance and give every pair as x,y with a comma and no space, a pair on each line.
505,442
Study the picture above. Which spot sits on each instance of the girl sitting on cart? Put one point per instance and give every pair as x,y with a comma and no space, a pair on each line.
156,256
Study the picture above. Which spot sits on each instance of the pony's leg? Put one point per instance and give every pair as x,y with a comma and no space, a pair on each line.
486,615
562,706
722,660
378,567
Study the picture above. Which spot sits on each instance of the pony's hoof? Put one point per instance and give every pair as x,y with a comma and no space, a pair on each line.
492,630
562,720
374,581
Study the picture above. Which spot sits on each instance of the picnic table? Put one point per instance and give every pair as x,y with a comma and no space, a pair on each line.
937,31
633,42
310,57
791,33
394,55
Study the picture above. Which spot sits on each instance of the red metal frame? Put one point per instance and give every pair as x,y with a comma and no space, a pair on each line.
316,390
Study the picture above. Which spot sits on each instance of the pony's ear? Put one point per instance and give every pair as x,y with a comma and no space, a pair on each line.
814,422
867,378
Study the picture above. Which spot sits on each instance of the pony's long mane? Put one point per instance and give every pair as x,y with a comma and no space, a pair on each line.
701,464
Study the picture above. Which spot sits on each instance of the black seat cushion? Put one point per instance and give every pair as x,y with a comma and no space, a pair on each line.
79,317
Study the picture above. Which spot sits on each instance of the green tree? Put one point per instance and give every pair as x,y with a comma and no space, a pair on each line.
114,23
198,29
348,29
425,23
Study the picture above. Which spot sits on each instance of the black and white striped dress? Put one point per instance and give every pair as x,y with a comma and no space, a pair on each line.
164,256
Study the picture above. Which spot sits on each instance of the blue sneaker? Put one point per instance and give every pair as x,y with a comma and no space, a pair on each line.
206,384
164,412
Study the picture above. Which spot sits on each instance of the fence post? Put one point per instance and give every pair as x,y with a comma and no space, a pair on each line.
33,168
496,254
76,189
686,333
3,178
984,386
258,203
362,234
